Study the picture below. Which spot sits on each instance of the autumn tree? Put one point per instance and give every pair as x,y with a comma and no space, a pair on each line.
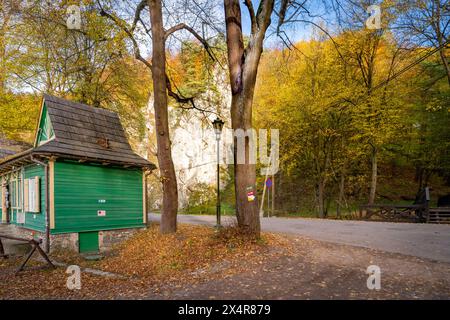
243,63
361,48
6,10
17,111
44,55
318,95
308,102
162,84
427,23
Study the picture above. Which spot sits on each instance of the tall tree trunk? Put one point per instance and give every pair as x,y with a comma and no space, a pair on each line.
245,174
3,28
243,68
340,202
166,167
374,175
321,198
445,62
419,179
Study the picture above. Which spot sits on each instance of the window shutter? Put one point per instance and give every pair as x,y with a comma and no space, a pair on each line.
26,198
37,196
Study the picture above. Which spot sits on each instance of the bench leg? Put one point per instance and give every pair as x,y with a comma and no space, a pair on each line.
2,251
27,258
44,255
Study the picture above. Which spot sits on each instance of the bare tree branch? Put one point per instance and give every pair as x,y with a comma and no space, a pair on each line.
282,14
183,100
251,11
122,25
184,26
265,10
137,15
336,46
130,33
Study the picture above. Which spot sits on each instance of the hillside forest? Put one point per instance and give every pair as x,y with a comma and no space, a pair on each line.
363,115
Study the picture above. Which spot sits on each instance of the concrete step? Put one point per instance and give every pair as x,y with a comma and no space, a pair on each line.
4,228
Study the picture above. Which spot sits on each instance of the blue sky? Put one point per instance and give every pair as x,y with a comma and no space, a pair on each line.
295,32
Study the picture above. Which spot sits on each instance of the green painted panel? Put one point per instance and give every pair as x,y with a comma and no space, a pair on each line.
45,131
36,221
88,242
91,197
33,221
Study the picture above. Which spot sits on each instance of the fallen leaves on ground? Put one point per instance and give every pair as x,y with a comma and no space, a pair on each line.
158,257
198,263
148,260
37,283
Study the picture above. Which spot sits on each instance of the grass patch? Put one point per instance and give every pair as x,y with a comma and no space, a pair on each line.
210,209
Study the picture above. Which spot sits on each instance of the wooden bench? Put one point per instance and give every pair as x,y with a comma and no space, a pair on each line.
35,245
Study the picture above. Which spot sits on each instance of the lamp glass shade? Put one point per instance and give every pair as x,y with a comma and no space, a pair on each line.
218,125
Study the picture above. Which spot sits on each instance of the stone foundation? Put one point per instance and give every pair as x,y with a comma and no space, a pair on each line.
69,241
107,239
16,231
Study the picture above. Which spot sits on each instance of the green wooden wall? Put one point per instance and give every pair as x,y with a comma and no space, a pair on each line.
33,221
36,221
81,190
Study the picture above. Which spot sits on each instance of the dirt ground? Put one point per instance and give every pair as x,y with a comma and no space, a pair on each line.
424,240
319,270
303,269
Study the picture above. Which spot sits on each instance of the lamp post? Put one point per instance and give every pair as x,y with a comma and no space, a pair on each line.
218,125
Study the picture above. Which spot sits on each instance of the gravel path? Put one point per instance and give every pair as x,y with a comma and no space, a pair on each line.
428,241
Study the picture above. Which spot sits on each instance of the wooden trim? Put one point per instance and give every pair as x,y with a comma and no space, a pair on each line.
37,195
16,192
144,197
4,209
20,197
51,184
26,202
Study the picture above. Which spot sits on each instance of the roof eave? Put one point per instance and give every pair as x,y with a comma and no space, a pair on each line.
16,160
149,166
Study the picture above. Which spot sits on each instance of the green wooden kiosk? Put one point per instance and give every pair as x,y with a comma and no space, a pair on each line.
81,185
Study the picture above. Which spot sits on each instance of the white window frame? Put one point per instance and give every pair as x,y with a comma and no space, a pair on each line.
32,202
16,191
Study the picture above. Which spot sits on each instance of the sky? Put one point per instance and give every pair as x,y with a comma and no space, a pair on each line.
295,32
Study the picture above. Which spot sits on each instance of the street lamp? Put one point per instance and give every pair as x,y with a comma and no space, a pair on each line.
218,125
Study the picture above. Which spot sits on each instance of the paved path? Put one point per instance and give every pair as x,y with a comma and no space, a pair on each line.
421,240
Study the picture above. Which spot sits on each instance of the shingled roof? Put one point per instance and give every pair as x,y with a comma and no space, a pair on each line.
87,133
10,147
6,153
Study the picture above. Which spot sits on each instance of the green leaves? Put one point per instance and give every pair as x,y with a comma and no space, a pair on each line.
19,115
